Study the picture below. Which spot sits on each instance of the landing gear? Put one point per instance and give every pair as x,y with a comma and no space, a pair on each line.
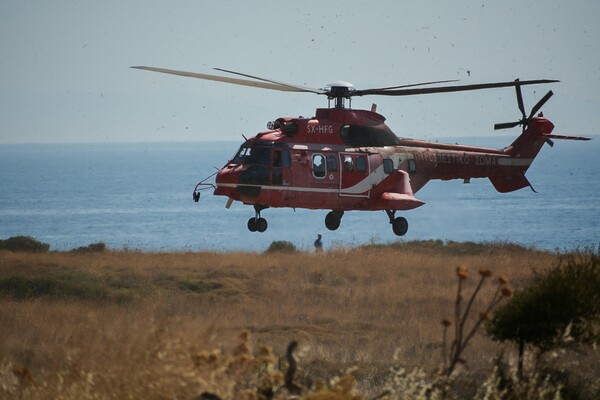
333,220
257,223
399,224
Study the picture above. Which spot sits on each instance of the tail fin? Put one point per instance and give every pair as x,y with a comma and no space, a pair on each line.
529,143
522,152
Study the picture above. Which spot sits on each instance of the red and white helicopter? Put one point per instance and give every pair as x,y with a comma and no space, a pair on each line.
344,159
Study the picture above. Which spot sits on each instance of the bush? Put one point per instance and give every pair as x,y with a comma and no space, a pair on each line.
560,307
25,244
281,246
58,286
563,298
91,248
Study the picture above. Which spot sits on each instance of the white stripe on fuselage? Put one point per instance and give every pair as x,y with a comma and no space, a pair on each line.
515,162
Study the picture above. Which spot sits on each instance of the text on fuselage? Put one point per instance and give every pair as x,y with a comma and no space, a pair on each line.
319,129
458,159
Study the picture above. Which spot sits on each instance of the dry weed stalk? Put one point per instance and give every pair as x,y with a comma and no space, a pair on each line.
461,337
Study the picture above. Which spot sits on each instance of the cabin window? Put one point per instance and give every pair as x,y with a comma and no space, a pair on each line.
412,167
348,164
331,163
388,165
318,165
361,164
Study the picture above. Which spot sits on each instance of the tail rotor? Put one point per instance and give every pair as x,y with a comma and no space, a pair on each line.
524,121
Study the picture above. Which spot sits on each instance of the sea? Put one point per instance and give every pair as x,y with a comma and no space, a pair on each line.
138,196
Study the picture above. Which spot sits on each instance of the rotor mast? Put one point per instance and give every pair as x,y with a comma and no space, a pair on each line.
339,91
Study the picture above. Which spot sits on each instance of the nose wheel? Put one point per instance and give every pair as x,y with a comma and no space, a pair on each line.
257,223
399,224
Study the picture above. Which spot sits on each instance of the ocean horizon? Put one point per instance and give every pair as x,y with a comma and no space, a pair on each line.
138,196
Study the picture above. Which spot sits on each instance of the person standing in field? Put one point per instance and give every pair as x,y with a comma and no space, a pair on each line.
318,244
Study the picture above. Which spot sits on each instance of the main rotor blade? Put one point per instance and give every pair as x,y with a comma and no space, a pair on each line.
235,81
447,89
414,84
298,88
540,103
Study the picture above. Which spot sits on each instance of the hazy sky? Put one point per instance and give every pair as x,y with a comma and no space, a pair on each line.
65,73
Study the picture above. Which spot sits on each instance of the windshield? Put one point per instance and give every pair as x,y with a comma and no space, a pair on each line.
253,154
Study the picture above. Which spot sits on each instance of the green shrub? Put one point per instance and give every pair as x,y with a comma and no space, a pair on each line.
25,244
281,246
450,247
57,286
73,285
91,248
559,307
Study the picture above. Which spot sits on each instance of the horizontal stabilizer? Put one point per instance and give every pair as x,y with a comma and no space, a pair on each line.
400,201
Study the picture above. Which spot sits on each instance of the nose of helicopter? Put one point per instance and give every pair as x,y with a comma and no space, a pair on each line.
226,180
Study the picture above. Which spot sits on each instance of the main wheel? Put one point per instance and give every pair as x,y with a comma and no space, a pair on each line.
333,220
400,226
252,225
261,225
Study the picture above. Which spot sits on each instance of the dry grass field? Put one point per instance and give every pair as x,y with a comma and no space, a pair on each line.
124,324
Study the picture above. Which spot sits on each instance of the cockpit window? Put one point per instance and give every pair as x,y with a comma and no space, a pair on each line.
242,154
260,155
253,155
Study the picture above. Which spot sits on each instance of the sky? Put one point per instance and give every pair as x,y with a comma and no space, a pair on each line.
65,75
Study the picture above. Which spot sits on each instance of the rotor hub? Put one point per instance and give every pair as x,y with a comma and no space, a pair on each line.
340,90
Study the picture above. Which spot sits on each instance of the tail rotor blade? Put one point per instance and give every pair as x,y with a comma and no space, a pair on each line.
540,104
566,137
520,99
507,125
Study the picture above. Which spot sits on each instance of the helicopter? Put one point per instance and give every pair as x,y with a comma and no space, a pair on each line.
344,159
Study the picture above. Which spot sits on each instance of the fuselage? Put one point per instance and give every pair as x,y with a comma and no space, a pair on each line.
350,160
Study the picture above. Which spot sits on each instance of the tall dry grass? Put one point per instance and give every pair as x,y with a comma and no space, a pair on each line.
128,324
